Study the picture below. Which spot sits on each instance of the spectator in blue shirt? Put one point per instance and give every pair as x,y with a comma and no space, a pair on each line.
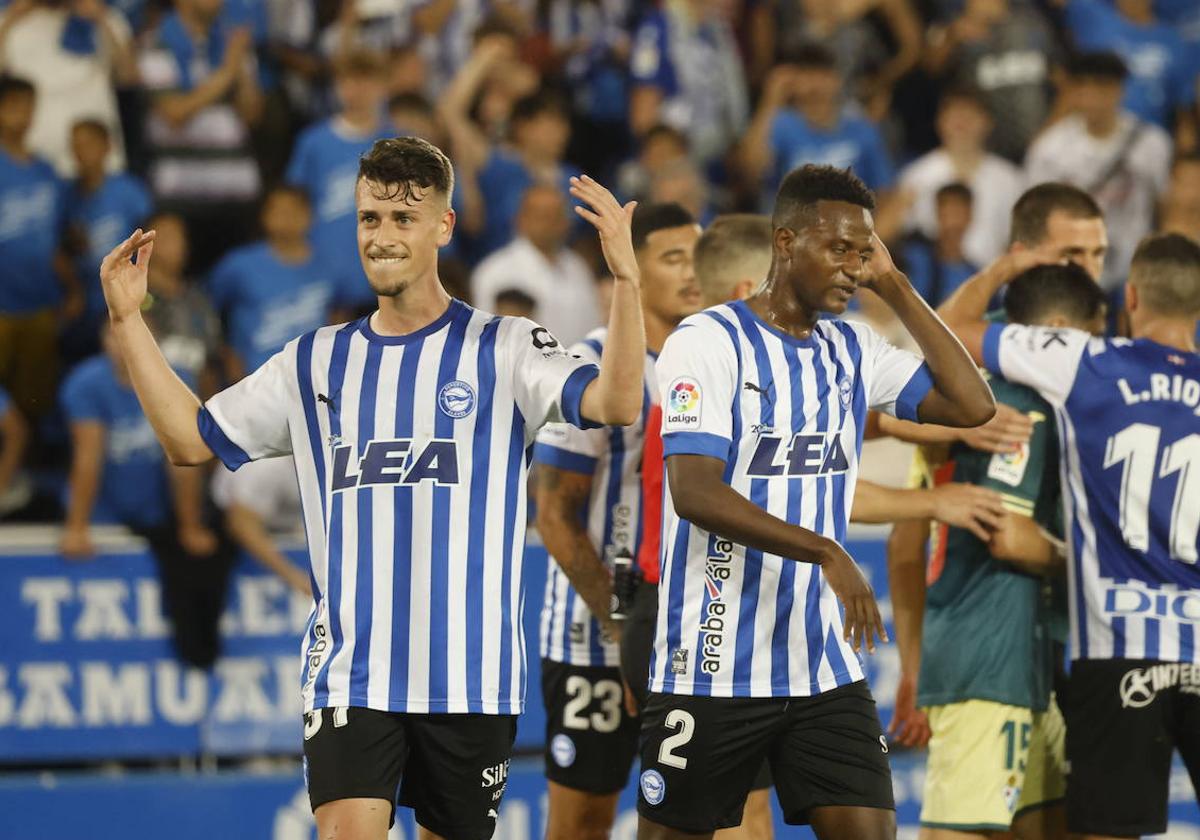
325,165
687,72
1161,80
36,277
269,292
119,476
937,267
800,119
540,131
101,210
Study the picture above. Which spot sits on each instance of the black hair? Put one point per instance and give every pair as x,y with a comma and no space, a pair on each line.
956,189
15,84
516,298
668,131
1058,289
401,164
648,218
296,192
963,93
411,102
810,56
94,125
1033,209
536,104
802,188
1103,66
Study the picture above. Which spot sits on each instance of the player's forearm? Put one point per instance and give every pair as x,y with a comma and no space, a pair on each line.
906,580
719,509
961,397
969,302
614,398
919,433
571,547
168,403
876,503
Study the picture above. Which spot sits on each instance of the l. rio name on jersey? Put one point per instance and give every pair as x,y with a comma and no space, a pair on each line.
810,453
399,461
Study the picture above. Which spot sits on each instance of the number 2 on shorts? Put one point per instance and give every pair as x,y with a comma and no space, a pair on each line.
677,719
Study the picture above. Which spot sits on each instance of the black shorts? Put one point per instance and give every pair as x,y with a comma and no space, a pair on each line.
637,643
451,769
700,754
1124,718
590,741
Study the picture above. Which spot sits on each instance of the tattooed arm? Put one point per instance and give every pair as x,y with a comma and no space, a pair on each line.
562,498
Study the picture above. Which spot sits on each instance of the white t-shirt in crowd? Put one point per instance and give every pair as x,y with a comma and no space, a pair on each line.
268,487
995,187
563,289
1125,172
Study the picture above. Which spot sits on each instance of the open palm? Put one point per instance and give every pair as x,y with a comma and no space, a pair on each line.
122,279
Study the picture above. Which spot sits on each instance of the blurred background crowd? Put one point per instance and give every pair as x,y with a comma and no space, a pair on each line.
233,128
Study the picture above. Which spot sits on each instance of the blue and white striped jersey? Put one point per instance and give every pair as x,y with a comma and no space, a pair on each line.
612,456
412,454
1129,428
786,416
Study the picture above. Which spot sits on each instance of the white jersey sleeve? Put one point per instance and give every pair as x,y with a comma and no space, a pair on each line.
697,380
548,382
1044,358
569,447
249,419
895,380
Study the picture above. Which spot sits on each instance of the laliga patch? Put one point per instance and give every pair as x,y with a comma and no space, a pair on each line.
456,399
654,787
682,405
1009,467
562,748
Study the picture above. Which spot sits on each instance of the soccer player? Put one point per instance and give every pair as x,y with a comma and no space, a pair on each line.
763,406
588,509
409,428
986,652
1126,412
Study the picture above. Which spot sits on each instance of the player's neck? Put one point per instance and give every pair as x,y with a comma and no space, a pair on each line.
776,303
657,329
1176,333
418,306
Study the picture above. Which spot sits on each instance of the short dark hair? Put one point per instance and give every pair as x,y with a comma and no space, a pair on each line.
1033,209
1102,66
93,125
1058,289
810,56
516,298
536,104
1166,272
411,102
668,132
291,190
956,189
802,188
359,62
403,163
648,218
963,93
15,84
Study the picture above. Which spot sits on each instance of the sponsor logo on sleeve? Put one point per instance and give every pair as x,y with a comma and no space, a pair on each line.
683,404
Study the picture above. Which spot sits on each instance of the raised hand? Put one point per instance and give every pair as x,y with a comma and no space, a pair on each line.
122,279
880,266
614,224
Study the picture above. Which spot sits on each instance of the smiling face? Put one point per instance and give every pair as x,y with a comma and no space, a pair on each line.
826,258
669,288
399,233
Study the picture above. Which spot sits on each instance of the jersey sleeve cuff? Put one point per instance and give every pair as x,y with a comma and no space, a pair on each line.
696,443
563,459
920,384
572,396
231,455
991,347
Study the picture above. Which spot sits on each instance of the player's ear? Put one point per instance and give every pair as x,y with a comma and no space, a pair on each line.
1131,297
446,227
782,241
